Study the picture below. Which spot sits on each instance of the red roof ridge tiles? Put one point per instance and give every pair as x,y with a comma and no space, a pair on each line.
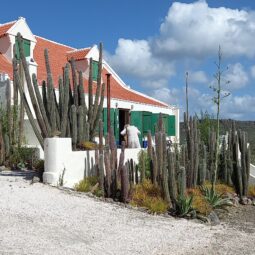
75,50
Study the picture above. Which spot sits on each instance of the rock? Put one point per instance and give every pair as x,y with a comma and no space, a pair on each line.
214,219
244,201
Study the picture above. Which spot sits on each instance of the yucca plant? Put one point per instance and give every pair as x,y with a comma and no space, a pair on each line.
214,199
184,205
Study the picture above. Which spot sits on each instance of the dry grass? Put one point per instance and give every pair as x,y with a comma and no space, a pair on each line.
149,196
200,204
87,184
251,191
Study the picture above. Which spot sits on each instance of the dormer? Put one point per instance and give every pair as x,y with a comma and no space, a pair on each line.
82,56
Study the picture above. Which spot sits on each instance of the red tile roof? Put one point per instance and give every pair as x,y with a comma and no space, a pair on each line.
78,54
59,54
5,27
5,66
123,93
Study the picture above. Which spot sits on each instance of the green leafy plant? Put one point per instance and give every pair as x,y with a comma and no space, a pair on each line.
144,164
214,199
184,205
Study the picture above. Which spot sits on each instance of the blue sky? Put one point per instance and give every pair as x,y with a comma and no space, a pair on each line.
151,44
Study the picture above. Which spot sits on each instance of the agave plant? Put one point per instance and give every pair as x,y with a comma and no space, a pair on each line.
184,205
214,199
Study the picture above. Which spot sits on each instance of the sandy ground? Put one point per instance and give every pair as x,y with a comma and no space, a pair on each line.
38,219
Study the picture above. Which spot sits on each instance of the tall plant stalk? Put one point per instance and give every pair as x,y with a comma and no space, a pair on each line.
219,95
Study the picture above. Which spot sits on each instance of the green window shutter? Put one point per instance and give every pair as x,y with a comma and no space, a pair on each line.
116,125
26,47
95,70
147,122
155,119
171,125
136,119
112,117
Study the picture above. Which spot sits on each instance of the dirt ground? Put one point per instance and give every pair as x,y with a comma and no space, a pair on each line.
39,219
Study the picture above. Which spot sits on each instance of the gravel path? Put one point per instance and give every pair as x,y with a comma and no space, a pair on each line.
38,219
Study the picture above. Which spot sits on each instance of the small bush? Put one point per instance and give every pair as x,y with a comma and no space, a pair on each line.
87,184
143,155
251,191
22,157
149,196
214,199
184,205
199,203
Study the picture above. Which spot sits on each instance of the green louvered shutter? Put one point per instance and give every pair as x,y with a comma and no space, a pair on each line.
171,125
95,70
26,46
112,116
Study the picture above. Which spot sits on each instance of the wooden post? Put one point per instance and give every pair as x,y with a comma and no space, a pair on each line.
108,75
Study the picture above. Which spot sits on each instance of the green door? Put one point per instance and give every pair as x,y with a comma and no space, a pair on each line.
136,119
147,122
171,125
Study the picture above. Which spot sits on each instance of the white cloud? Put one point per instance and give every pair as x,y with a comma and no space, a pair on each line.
239,107
190,34
252,71
237,76
197,77
195,30
134,57
154,84
169,96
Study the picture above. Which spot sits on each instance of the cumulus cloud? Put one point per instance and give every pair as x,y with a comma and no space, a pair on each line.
252,71
198,77
134,57
239,107
191,33
237,76
195,30
169,96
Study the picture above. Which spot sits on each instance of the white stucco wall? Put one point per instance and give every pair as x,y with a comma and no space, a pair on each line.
60,161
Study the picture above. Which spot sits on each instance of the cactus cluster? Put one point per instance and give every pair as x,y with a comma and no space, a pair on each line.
65,116
11,134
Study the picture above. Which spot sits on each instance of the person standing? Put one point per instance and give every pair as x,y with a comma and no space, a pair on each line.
132,133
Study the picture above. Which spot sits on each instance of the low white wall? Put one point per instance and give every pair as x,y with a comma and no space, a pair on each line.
252,175
72,166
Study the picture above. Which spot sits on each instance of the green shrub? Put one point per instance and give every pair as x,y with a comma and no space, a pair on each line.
89,184
184,205
214,199
143,155
22,157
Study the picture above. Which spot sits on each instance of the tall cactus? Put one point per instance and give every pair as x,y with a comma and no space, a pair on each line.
54,115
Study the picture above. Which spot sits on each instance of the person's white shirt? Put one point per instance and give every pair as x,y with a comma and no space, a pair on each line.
132,133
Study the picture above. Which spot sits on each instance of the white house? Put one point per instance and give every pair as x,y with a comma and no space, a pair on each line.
126,103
